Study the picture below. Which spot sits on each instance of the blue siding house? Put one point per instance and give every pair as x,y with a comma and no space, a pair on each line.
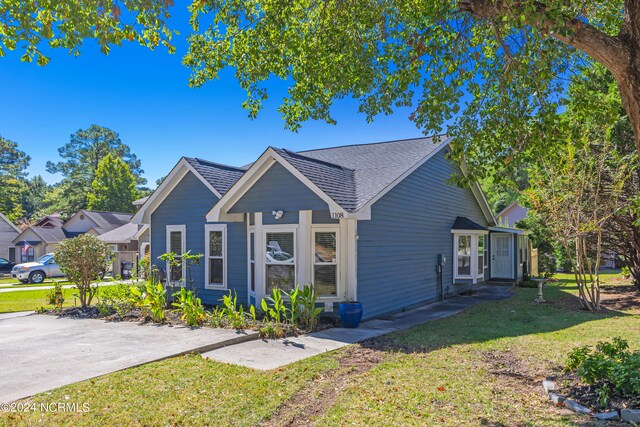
378,223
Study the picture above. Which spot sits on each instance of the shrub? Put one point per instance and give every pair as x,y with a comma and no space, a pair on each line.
83,259
151,298
115,298
55,296
625,271
611,367
144,267
271,330
190,306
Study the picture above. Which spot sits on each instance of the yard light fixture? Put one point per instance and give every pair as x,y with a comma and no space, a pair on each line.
74,299
277,214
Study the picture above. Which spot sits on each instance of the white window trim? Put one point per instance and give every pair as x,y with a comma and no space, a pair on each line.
182,229
290,228
251,230
207,229
474,276
339,285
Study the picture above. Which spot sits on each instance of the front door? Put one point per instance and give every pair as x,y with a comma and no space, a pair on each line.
501,256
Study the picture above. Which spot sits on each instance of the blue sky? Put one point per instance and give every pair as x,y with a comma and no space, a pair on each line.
145,97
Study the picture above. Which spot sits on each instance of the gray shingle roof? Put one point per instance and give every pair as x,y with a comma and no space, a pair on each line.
464,223
107,221
123,234
335,181
50,234
375,166
351,175
52,220
221,177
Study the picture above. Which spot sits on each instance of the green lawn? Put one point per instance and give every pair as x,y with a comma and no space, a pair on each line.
481,367
30,300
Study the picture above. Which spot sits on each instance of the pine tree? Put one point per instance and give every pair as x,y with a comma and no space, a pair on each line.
114,187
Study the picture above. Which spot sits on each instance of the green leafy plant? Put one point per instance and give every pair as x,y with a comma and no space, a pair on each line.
151,298
190,307
55,296
611,367
185,260
274,306
309,313
293,314
233,312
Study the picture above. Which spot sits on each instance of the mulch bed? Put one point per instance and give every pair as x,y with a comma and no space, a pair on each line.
620,298
573,388
172,318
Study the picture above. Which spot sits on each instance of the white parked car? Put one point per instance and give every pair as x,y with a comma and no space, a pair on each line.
38,270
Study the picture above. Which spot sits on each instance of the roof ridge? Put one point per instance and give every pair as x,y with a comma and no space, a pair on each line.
110,212
294,153
209,162
373,143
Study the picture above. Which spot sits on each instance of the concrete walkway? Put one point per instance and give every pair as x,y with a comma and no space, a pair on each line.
271,354
40,288
14,314
42,352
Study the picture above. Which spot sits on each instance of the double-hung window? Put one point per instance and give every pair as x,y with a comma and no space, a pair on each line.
280,260
216,255
325,262
176,243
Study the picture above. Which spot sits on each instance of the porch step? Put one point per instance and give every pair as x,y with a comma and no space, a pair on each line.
501,282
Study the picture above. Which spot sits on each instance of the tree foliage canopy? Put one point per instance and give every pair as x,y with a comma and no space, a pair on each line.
114,187
582,185
32,25
13,163
81,157
492,71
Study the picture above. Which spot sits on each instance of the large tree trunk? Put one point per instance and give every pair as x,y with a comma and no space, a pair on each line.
620,54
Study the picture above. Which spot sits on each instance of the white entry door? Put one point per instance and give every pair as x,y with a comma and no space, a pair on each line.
501,256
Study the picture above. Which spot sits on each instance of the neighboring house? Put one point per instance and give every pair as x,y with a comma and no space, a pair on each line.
372,222
44,236
8,232
510,215
513,213
129,243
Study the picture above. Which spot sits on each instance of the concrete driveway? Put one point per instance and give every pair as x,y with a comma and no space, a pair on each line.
42,352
